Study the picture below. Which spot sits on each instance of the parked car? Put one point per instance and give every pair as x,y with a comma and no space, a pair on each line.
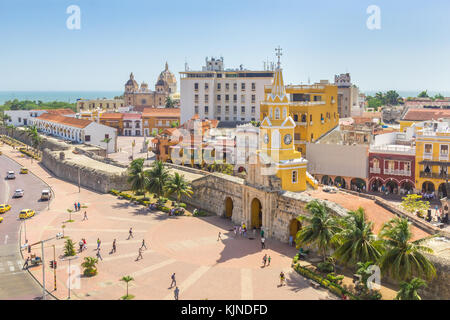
1,219
46,195
23,170
4,208
18,193
26,213
10,175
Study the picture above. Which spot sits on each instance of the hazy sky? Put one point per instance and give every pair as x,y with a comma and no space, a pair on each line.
411,51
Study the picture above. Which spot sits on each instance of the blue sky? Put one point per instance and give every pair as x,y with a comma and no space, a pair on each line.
319,39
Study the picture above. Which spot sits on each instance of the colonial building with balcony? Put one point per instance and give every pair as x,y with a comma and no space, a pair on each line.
313,109
432,156
132,124
392,166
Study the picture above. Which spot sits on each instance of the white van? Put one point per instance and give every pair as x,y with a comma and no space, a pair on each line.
46,195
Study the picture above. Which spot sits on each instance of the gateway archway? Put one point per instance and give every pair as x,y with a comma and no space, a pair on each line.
256,211
294,227
228,207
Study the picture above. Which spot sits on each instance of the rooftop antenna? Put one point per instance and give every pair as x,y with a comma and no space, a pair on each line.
309,80
278,54
186,66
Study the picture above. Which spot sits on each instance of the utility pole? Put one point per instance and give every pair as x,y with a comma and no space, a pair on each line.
54,265
43,271
25,229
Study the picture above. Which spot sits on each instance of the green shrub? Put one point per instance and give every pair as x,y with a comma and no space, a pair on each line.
325,267
200,213
182,205
114,192
295,258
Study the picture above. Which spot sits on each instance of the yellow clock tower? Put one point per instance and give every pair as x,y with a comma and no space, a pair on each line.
277,132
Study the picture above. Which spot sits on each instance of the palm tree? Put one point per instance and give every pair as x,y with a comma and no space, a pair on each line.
403,258
170,103
136,175
127,279
356,240
36,139
107,141
156,178
5,118
408,290
321,228
90,266
177,184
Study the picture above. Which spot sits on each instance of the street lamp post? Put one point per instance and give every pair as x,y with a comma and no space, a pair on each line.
25,230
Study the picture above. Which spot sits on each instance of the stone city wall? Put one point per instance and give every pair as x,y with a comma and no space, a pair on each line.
91,178
439,287
47,142
93,155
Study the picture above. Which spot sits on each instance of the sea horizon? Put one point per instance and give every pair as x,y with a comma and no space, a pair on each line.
74,95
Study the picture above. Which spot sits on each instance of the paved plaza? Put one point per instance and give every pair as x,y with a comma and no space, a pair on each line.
125,149
205,268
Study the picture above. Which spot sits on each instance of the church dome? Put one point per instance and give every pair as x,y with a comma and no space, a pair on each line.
166,77
131,81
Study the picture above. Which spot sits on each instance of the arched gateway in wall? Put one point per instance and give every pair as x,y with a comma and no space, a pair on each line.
228,207
256,214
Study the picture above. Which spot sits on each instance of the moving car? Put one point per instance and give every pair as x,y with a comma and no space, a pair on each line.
10,175
18,193
23,170
26,213
46,195
4,208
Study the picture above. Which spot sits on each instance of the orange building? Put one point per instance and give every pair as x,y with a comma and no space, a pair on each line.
155,120
112,119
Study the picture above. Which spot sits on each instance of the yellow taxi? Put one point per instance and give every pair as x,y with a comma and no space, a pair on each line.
23,170
26,213
4,208
1,219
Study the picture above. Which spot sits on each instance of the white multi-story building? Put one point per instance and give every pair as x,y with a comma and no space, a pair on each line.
223,94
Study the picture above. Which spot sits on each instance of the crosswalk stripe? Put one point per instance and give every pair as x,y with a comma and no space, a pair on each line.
246,284
194,277
153,267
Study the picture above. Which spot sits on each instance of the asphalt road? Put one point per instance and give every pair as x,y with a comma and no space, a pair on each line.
16,283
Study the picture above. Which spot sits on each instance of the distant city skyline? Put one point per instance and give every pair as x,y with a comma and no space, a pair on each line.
319,40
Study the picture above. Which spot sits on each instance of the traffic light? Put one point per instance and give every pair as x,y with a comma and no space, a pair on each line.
54,264
51,264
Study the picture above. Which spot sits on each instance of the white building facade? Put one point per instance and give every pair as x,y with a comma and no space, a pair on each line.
77,130
222,94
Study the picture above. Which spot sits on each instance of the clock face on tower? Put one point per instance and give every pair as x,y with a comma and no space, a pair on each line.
266,138
287,139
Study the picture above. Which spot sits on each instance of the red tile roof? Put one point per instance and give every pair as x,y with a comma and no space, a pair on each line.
161,112
426,114
111,115
132,116
68,121
60,112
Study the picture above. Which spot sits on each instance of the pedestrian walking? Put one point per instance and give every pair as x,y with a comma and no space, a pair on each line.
98,243
143,244
75,206
263,243
85,216
79,206
130,234
268,261
176,292
140,254
218,237
264,260
81,244
235,231
98,254
113,246
174,281
84,244
25,265
254,232
240,230
281,278
262,233
291,240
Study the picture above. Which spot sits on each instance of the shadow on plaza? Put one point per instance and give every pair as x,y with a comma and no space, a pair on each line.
240,246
